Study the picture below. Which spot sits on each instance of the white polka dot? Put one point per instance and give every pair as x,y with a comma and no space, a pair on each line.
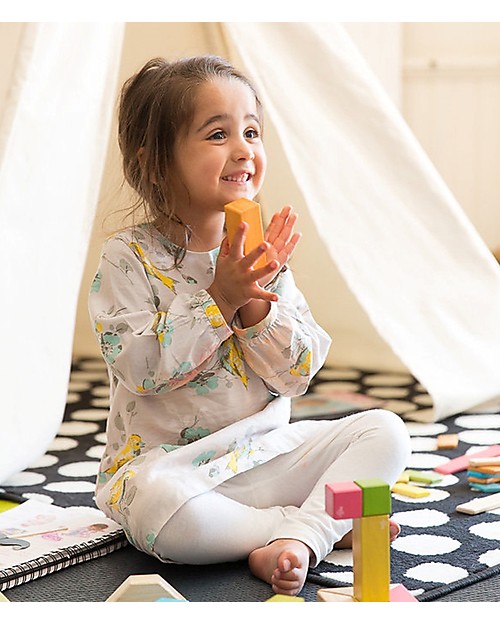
490,558
425,415
425,544
90,415
436,572
61,443
346,577
447,480
95,452
435,494
79,386
92,365
478,421
100,402
24,478
71,487
488,529
494,511
398,406
480,437
388,379
73,398
423,400
101,437
421,518
425,429
45,461
421,443
38,497
426,461
79,469
100,391
385,392
330,388
340,557
77,428
92,376
337,374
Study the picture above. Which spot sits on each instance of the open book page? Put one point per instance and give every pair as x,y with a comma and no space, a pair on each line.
34,529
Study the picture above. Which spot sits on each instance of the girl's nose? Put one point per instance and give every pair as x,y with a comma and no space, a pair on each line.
242,151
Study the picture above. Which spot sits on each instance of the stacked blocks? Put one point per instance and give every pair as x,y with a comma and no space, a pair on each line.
368,503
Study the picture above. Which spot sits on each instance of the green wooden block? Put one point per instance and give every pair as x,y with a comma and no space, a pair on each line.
376,496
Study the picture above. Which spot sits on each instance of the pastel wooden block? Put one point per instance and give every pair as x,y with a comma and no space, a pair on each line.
249,212
427,477
344,500
145,588
285,598
447,441
397,593
371,556
408,490
376,496
404,477
462,462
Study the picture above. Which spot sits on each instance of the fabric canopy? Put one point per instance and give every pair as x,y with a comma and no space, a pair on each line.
53,141
425,278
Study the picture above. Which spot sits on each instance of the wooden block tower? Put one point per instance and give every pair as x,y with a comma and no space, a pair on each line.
368,503
248,211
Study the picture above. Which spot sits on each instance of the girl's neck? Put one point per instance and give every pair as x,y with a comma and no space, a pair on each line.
205,236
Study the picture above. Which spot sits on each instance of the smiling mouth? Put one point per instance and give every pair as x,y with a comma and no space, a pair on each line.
242,178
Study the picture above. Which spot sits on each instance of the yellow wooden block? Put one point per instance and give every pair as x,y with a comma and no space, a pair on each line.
370,548
248,211
285,598
404,477
3,598
409,491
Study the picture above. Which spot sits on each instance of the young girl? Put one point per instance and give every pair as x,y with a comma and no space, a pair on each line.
204,352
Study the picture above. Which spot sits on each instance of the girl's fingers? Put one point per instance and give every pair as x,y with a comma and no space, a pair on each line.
237,247
252,257
277,222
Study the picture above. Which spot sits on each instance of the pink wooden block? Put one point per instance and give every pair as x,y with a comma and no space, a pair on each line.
344,500
462,462
400,593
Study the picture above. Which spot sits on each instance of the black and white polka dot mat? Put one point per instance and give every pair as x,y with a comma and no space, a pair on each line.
437,548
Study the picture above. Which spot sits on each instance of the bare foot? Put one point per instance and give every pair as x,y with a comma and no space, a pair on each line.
283,564
346,541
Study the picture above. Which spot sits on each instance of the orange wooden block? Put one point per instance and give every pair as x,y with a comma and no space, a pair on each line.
447,441
249,212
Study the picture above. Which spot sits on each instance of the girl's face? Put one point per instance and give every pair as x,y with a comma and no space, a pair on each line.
221,157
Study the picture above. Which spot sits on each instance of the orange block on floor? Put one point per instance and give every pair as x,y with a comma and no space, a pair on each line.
249,212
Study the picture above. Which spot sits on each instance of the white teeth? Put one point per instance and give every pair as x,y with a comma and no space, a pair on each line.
242,178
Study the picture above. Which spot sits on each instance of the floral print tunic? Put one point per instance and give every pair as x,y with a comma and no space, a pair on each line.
194,401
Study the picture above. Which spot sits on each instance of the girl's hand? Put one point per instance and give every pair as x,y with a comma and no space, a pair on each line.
236,283
279,234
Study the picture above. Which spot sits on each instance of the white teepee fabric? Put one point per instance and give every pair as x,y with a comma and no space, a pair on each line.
53,142
426,280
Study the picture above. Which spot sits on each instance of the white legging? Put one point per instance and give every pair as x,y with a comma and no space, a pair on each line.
285,497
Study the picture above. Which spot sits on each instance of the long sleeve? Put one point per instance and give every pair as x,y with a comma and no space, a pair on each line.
287,348
152,345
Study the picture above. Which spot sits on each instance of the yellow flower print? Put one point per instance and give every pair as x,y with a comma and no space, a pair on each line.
231,358
214,316
117,493
302,366
152,270
131,450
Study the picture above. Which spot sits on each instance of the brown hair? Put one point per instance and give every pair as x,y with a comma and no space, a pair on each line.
156,104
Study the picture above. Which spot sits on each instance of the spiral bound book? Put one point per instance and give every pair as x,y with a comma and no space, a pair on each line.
38,538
